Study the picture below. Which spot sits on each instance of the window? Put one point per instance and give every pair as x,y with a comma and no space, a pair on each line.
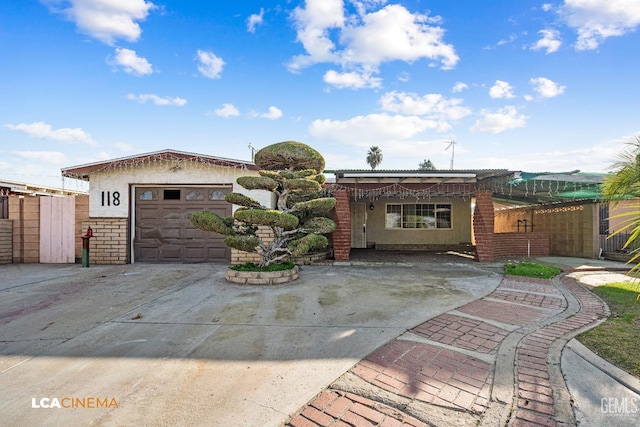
171,194
421,215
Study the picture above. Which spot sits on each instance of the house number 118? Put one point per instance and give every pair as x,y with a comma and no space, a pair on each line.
109,198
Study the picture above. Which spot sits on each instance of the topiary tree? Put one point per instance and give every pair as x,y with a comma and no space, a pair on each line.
293,172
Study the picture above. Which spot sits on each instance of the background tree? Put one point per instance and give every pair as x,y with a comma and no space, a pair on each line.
623,184
426,165
374,156
293,172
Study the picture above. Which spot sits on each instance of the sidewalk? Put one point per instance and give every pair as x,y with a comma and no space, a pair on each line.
495,361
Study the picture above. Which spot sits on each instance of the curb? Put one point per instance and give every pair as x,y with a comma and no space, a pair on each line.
622,377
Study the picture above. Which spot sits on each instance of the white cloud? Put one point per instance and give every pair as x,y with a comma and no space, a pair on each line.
255,20
597,20
273,113
510,40
393,33
362,131
352,80
363,6
132,63
105,20
547,7
313,23
227,110
42,130
546,88
499,121
54,157
501,90
459,87
432,105
210,65
157,100
550,41
502,42
365,40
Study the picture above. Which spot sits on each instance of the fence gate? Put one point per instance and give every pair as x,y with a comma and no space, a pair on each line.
57,229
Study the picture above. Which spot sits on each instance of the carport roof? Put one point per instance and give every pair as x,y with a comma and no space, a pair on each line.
547,187
417,176
84,171
510,187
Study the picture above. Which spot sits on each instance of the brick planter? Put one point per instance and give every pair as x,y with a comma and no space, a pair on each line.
262,277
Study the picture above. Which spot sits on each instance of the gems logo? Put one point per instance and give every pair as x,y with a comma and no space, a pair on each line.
74,403
619,406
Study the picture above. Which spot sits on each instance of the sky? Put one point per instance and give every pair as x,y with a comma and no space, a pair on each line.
523,85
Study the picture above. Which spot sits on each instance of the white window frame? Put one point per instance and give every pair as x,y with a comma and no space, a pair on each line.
402,216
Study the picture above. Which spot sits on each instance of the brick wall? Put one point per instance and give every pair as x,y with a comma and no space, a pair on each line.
240,257
520,244
25,211
483,223
109,242
572,227
6,241
342,234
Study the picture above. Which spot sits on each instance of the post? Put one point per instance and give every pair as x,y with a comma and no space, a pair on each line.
85,247
85,251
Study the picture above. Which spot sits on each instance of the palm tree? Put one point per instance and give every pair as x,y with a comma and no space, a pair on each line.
374,156
624,183
625,180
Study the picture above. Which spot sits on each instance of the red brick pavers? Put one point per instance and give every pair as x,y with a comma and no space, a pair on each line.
470,334
449,361
336,408
514,314
428,373
536,400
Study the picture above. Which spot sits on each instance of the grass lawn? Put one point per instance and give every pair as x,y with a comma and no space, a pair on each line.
531,269
617,340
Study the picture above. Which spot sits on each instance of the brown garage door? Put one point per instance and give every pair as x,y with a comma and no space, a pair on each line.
163,232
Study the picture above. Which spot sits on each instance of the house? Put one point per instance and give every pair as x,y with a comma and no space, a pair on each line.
139,206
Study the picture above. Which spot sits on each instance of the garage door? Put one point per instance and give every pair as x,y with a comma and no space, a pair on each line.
163,231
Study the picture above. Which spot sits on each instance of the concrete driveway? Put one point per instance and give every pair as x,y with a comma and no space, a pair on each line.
160,345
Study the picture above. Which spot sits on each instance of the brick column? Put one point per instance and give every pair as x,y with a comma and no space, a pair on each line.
342,233
483,221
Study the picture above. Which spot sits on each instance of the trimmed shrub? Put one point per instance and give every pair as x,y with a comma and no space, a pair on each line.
301,184
290,156
320,225
292,171
308,243
242,243
257,183
322,204
242,200
209,221
271,218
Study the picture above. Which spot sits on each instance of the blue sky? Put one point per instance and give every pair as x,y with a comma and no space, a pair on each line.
523,85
